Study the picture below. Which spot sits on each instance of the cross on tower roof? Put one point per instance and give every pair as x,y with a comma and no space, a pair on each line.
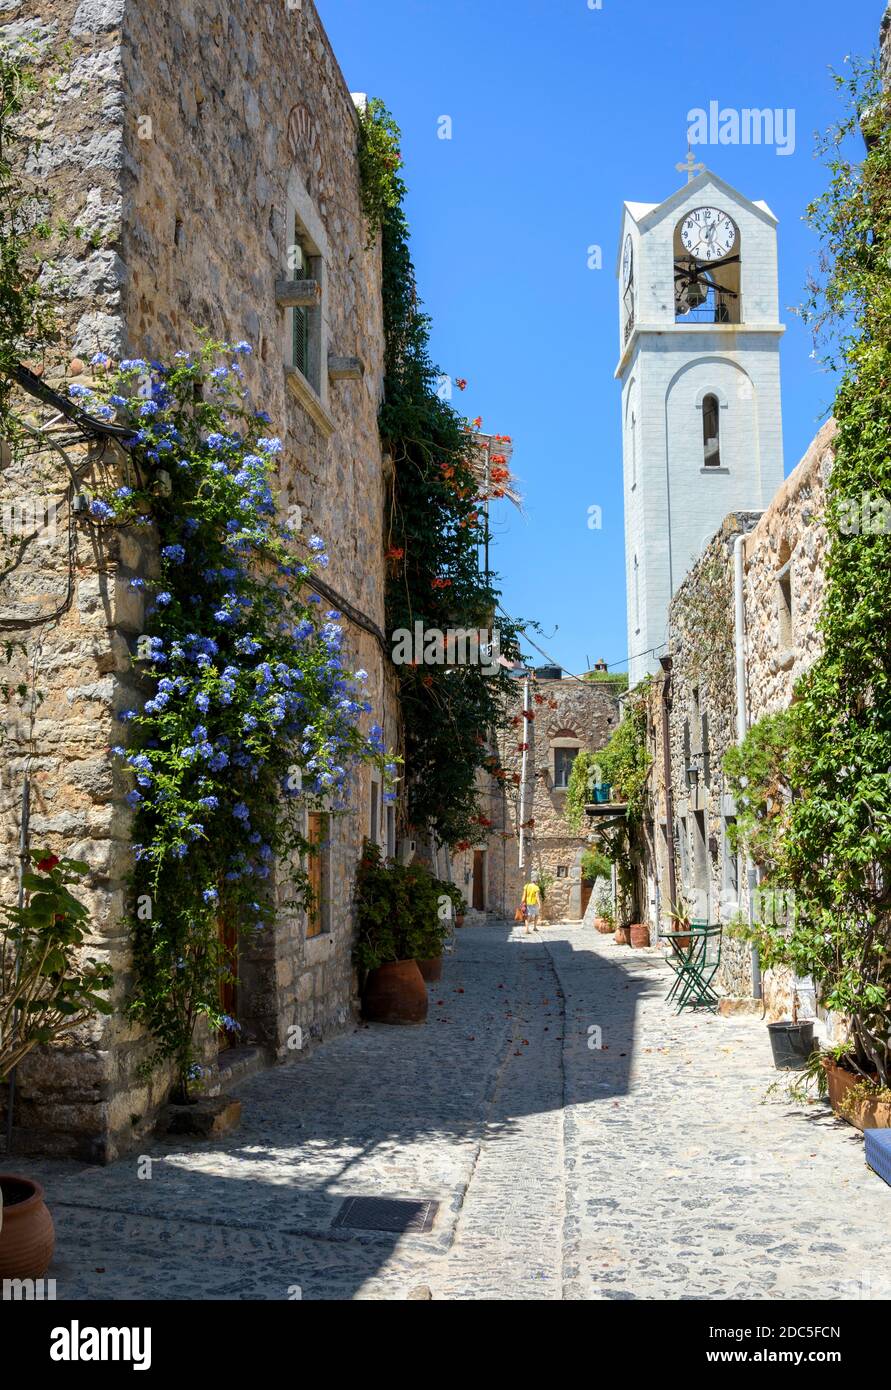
690,167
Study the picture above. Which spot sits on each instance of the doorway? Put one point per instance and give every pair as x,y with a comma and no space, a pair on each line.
479,880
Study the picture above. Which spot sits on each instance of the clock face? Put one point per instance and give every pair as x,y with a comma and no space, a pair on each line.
627,261
708,234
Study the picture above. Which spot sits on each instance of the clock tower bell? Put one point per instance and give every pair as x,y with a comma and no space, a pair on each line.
699,337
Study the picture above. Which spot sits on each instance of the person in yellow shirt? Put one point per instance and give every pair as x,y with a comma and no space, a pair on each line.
532,904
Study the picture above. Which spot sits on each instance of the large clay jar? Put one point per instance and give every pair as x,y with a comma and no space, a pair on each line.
395,993
431,969
640,934
27,1237
622,937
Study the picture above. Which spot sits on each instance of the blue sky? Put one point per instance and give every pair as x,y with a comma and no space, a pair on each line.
559,113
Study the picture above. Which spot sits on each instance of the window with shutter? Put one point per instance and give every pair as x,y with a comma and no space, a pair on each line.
300,323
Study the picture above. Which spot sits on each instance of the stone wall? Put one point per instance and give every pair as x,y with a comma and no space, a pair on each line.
567,713
189,142
787,541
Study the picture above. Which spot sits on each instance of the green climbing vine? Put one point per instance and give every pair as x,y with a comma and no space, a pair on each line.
451,712
585,771
828,834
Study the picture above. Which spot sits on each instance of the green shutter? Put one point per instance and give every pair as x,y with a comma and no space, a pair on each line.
300,340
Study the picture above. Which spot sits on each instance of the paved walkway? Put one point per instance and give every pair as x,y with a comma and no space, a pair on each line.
651,1168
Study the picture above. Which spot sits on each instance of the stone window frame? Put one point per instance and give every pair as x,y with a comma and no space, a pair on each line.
567,740
312,389
784,593
375,800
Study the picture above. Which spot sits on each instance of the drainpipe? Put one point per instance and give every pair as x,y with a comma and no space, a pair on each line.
666,663
742,724
739,607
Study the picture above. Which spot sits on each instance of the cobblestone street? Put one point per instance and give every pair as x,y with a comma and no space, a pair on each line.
653,1168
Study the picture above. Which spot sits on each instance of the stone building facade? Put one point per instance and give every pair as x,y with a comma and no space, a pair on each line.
202,155
743,629
568,714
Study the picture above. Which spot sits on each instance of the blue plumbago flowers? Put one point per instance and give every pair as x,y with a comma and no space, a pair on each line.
250,680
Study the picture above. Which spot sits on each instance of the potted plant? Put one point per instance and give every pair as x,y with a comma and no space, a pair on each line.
387,941
46,991
432,918
791,1040
680,916
640,934
605,920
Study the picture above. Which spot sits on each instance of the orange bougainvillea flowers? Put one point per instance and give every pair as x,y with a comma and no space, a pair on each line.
440,583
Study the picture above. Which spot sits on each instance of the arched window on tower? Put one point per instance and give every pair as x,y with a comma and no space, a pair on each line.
711,431
636,595
633,449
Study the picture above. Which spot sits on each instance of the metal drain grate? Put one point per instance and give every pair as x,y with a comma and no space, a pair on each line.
386,1214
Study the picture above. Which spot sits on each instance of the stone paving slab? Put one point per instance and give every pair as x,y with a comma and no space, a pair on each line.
652,1166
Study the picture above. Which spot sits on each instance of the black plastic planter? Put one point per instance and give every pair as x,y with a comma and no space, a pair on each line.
791,1044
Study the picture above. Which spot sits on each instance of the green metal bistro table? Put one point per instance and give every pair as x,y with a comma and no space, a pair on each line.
695,959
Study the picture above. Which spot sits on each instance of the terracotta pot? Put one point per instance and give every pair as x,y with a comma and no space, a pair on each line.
603,924
395,993
27,1237
640,934
864,1113
459,921
623,936
431,969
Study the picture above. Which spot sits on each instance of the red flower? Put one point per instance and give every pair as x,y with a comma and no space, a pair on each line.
395,552
441,584
478,423
522,747
460,383
528,713
45,865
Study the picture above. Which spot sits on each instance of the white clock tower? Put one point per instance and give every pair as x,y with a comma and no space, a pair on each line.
699,338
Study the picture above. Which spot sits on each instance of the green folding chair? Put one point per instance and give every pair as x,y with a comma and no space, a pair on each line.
698,990
695,960
684,949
